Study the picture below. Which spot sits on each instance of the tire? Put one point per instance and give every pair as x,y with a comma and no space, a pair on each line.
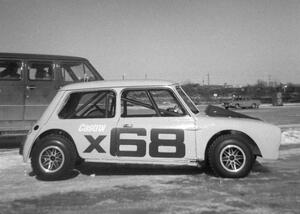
254,106
237,106
235,149
53,157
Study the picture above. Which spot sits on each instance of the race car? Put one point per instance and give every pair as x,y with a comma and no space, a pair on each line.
144,122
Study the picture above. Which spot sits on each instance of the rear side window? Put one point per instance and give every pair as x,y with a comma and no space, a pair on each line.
10,70
76,72
40,71
96,104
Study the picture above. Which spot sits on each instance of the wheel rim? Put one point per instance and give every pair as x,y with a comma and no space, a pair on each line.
232,158
51,159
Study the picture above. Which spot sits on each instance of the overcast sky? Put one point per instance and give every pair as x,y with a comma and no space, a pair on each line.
236,42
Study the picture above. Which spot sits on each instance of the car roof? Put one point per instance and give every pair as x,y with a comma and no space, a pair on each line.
38,56
116,84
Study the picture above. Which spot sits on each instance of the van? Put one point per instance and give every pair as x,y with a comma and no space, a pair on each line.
28,82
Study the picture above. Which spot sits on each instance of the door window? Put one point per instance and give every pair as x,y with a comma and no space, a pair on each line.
167,103
151,103
137,104
96,104
76,72
40,71
10,70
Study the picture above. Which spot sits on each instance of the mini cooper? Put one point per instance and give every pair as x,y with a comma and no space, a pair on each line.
144,122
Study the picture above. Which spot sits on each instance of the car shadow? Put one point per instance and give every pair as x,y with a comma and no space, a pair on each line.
104,169
258,167
71,175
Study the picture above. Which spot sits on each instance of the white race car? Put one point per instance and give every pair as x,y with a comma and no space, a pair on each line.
144,122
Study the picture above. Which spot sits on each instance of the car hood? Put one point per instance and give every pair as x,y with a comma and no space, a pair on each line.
215,111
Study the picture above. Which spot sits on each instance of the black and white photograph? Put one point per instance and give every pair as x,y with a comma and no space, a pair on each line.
150,106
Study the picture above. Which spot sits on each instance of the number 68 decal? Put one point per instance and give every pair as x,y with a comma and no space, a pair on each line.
154,145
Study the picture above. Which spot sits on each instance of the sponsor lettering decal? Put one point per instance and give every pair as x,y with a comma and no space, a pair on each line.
92,128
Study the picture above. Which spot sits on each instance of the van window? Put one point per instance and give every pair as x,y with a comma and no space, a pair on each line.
96,104
40,71
10,70
76,72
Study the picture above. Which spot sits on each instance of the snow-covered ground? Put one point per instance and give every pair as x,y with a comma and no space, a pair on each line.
290,136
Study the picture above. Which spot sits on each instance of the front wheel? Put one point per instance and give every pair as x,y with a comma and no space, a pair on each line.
230,156
53,157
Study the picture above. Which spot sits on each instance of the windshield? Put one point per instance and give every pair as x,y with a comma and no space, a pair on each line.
187,100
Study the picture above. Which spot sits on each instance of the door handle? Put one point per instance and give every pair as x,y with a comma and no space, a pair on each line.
128,126
30,87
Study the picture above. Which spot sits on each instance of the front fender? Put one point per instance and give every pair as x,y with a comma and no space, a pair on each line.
266,136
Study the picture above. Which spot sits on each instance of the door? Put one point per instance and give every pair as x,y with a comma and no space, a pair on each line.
11,90
41,87
154,128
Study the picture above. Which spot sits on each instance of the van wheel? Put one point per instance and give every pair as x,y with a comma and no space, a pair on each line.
229,156
53,157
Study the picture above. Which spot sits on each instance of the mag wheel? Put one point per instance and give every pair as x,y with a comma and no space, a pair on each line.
230,156
53,157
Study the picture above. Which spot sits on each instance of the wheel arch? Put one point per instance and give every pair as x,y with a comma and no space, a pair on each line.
256,151
54,131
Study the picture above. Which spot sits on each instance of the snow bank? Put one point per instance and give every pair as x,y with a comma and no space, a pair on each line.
290,136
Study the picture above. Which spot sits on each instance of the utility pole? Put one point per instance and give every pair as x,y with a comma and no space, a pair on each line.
146,77
208,79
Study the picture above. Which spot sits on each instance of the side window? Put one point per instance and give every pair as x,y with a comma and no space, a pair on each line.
76,72
96,104
136,103
40,71
10,70
150,103
167,103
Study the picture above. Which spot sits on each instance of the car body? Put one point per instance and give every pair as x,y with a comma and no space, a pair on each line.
144,122
242,102
28,82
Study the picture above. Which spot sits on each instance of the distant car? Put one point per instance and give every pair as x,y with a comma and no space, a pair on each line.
144,122
242,102
28,82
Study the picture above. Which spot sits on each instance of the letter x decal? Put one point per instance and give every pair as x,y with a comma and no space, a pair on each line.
95,143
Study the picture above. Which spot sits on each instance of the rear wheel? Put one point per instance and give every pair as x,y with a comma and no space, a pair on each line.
230,156
53,157
254,105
